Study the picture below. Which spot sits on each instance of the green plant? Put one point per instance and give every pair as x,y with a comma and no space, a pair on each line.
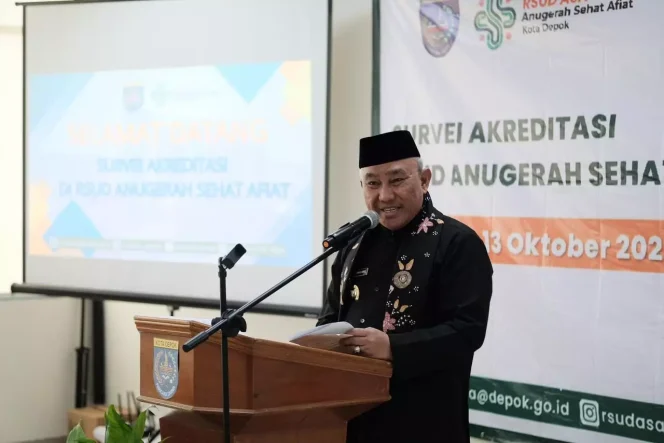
117,430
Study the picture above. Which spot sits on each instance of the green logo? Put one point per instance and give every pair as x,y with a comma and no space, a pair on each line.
493,20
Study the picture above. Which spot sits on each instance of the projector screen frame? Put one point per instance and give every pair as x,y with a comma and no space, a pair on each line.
153,298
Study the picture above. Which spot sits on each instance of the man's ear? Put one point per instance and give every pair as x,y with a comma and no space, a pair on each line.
426,178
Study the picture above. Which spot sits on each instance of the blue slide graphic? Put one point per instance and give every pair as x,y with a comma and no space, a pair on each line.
172,164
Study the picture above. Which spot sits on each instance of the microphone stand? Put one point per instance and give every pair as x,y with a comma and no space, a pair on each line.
232,330
231,321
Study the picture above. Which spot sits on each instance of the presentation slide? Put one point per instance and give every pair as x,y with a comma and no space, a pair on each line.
173,164
150,154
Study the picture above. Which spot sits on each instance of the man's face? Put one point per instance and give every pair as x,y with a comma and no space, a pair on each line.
395,191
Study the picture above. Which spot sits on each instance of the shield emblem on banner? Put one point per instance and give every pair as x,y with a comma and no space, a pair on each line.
165,367
439,22
133,97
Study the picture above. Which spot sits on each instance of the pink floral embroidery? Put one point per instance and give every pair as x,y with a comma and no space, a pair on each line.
424,226
388,323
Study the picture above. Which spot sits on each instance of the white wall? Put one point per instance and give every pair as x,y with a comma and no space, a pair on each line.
38,336
39,384
11,158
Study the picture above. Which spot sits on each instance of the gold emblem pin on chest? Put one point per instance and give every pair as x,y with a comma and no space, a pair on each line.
403,277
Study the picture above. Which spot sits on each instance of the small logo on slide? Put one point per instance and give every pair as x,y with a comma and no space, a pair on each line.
439,22
133,97
589,412
494,21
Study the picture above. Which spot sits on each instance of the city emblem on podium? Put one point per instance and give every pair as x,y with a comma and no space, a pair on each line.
165,367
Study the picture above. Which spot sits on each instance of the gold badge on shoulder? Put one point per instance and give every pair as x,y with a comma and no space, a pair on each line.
355,293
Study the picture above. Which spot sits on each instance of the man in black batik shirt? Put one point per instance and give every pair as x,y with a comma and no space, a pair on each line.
417,290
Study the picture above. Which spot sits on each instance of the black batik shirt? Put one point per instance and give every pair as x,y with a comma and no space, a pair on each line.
370,279
433,273
428,286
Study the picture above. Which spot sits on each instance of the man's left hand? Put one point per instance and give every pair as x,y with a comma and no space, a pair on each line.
372,342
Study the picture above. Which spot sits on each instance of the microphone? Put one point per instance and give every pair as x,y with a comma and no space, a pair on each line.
350,230
233,257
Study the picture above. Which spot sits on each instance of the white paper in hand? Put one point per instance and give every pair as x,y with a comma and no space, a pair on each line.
324,337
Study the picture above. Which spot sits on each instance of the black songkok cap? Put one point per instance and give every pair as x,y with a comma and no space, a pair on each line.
387,147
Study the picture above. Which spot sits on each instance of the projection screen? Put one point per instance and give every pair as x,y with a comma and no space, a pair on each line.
159,134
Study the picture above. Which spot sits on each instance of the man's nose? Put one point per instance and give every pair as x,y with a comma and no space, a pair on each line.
386,194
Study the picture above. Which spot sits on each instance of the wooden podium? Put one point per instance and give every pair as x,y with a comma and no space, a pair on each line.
279,392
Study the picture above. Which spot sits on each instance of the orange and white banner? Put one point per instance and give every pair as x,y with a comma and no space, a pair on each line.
542,122
600,244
